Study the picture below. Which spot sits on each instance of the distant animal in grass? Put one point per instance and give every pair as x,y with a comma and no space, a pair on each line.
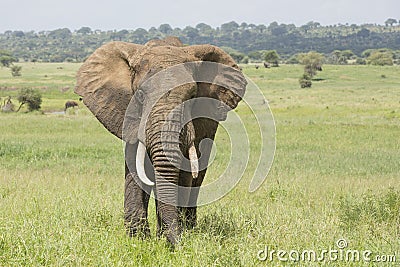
70,104
8,105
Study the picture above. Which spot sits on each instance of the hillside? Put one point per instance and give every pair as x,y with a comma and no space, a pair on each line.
74,46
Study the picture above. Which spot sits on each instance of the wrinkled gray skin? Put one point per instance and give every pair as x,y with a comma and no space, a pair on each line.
107,82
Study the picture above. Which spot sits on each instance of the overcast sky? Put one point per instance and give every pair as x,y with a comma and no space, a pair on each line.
40,15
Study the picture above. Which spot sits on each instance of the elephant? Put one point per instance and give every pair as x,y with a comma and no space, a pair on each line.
70,104
112,84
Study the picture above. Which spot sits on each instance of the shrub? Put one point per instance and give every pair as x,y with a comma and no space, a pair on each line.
16,71
361,61
312,62
31,97
305,81
380,58
271,56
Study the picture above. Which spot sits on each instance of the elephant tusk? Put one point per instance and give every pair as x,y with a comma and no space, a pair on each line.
140,156
194,161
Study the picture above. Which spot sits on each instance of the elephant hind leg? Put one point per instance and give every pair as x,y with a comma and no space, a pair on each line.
188,217
190,213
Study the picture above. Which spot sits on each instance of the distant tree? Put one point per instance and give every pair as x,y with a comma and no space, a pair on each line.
367,53
61,45
140,35
229,27
18,34
348,54
121,35
305,28
16,71
256,55
191,32
273,25
277,29
165,29
361,61
390,22
340,57
31,97
153,33
85,30
203,27
271,56
312,62
381,58
243,25
259,28
236,55
60,33
336,57
6,58
293,60
245,60
364,33
205,30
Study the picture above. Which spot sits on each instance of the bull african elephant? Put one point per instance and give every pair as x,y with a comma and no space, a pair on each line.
112,84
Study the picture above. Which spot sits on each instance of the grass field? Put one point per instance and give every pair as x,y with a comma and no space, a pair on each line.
336,175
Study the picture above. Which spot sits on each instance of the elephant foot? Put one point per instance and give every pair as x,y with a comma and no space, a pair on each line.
188,217
172,232
191,218
140,228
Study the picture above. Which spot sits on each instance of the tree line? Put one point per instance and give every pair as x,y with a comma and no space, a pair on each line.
246,42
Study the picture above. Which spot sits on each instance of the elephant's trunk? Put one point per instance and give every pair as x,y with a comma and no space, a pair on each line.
166,190
165,152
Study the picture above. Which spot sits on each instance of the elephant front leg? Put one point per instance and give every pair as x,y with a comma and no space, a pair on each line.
136,202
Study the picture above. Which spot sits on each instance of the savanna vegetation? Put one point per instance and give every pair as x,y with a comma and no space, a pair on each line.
243,40
335,176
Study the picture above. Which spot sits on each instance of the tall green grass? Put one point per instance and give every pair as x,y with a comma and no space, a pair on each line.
335,175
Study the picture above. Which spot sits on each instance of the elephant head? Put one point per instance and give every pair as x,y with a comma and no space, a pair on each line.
138,93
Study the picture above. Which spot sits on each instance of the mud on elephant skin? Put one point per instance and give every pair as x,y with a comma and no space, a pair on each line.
113,85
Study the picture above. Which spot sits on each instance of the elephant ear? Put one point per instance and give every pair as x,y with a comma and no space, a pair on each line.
227,77
104,83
